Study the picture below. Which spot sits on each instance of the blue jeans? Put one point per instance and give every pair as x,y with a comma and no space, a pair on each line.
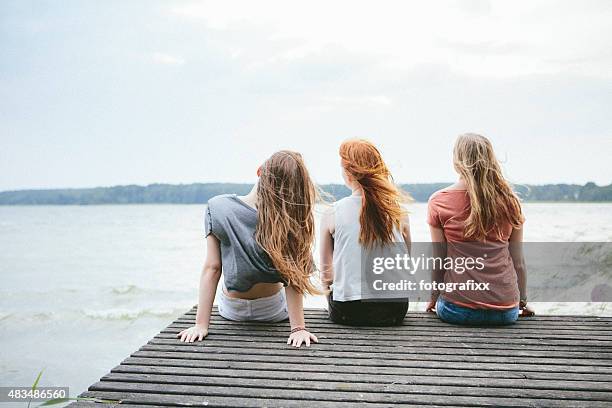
455,314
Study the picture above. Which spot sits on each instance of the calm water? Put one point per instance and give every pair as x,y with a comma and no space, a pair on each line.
82,287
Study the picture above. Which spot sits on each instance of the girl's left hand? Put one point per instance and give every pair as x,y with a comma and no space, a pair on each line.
526,311
303,336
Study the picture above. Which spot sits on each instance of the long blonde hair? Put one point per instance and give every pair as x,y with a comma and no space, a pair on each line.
381,210
285,226
492,200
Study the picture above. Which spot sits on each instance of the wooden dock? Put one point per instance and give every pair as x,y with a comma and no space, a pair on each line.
547,361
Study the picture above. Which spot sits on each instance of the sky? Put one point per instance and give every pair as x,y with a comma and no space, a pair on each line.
138,92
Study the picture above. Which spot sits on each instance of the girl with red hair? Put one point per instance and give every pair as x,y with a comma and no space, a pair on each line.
372,216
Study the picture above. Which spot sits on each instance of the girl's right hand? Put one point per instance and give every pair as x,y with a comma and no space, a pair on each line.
431,306
193,333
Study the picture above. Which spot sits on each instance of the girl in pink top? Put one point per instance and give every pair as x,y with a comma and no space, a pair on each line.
478,217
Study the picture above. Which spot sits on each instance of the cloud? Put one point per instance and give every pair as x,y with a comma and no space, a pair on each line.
367,100
166,59
477,38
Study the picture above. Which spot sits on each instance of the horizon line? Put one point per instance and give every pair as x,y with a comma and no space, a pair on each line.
251,183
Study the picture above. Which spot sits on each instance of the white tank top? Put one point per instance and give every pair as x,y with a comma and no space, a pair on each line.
347,249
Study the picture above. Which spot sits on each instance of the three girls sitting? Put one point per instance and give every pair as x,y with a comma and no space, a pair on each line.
263,242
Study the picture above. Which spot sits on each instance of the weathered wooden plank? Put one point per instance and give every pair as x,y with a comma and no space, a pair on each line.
466,378
412,324
238,336
354,333
401,355
340,396
400,349
357,336
170,400
421,345
410,328
334,386
382,363
91,404
473,371
322,313
373,333
444,327
415,322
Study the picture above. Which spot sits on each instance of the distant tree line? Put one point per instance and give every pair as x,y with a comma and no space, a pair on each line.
199,193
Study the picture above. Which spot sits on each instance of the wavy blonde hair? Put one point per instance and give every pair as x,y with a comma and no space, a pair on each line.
285,226
492,200
381,209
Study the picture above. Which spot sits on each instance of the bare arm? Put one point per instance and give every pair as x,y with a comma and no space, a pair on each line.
295,300
516,252
295,307
327,250
209,279
406,233
518,259
439,252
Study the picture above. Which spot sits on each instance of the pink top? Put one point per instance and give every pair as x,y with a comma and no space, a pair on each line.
448,209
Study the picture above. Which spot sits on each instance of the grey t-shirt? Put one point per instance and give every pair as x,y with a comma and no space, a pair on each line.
245,263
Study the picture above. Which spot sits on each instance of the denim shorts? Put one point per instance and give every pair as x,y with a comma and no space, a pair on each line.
267,309
452,313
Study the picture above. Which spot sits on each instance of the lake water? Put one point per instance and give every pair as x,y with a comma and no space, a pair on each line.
84,286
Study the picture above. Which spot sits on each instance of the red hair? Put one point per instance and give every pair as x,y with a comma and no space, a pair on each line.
381,210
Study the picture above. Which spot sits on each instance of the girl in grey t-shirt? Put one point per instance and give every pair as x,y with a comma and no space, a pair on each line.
262,245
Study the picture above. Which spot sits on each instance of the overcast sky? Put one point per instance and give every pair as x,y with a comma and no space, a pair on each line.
121,92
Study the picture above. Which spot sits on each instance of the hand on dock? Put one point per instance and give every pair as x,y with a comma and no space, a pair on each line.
431,306
193,333
526,311
303,336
